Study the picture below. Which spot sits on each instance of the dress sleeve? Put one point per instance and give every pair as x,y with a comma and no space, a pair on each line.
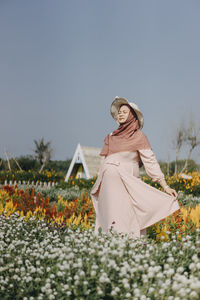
151,164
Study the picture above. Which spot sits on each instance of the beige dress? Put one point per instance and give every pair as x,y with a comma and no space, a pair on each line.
122,201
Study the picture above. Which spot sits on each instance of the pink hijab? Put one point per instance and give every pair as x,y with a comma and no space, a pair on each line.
127,137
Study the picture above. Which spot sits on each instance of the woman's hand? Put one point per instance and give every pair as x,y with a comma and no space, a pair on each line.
167,188
171,192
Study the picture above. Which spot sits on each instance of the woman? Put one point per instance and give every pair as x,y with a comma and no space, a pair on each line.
122,201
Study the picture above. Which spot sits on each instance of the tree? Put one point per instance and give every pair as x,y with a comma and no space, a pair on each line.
42,152
28,162
186,134
178,142
191,138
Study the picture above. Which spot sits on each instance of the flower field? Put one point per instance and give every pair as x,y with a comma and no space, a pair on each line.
31,175
177,182
188,186
39,262
78,212
48,251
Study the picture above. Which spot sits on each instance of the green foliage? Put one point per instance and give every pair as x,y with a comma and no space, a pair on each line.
58,165
53,192
28,162
45,176
2,164
192,166
80,183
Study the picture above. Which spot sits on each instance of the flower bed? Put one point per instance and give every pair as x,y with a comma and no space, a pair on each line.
53,192
49,251
78,212
44,176
188,186
41,262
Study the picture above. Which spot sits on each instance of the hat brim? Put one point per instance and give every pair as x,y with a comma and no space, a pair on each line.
115,107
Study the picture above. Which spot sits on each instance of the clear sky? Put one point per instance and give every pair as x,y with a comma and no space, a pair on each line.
63,62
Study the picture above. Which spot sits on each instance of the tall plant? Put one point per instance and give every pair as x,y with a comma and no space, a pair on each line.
42,152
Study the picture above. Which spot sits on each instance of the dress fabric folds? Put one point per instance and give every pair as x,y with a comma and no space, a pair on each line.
122,201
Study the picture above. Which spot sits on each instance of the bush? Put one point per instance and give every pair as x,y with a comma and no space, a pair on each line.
45,176
58,165
80,183
192,166
28,162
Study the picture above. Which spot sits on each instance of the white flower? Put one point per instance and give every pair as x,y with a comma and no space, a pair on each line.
113,293
103,259
180,269
82,273
198,265
175,286
150,275
76,277
170,259
93,273
126,285
137,291
66,286
170,272
192,266
151,290
195,258
166,266
161,291
167,282
99,292
182,292
159,275
193,295
195,285
47,286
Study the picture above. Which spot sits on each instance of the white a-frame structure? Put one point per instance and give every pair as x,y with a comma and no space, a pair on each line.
85,163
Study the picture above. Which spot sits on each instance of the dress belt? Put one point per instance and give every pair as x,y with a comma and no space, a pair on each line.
117,163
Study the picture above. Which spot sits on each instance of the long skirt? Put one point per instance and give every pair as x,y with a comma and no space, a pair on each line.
125,203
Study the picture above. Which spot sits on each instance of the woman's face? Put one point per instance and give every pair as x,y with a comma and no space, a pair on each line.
123,114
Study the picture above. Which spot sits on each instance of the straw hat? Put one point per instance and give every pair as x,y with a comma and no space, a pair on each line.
115,107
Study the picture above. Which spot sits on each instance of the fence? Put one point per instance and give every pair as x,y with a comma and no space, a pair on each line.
33,183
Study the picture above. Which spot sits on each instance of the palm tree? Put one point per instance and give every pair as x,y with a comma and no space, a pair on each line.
42,152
